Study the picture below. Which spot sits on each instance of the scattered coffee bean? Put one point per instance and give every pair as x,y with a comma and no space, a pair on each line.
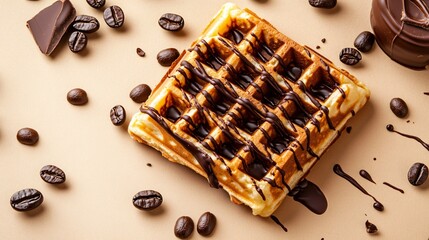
323,40
77,96
85,23
323,3
418,174
96,3
206,224
317,47
370,227
140,52
364,41
184,227
399,107
140,93
118,115
171,22
147,200
27,136
26,199
114,16
350,56
77,41
52,174
167,56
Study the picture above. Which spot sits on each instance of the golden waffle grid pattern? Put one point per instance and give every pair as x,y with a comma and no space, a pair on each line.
249,109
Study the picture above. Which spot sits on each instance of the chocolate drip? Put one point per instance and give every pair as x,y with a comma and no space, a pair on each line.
396,188
262,52
310,195
260,164
366,175
337,169
203,158
276,220
390,128
258,189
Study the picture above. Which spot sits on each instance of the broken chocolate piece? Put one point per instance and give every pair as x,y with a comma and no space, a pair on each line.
50,24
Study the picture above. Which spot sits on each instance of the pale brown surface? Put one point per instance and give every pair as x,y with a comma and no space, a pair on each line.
105,168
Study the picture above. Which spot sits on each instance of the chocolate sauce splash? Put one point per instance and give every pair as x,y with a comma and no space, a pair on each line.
337,169
396,188
370,227
276,220
365,174
390,128
310,195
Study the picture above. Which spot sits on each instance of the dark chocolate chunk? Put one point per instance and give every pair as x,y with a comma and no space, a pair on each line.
50,24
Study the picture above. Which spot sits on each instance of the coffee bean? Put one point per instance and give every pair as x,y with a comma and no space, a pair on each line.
399,107
140,93
350,56
27,136
77,96
171,22
118,115
96,3
26,199
364,41
114,16
323,3
140,52
85,23
370,227
77,41
147,200
167,56
52,174
206,224
184,227
418,174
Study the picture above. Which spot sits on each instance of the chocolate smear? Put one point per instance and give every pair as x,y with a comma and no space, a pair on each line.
276,220
50,24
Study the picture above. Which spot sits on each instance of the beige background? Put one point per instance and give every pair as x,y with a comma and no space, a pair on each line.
105,168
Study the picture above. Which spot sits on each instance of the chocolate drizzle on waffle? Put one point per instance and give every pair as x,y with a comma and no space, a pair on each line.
196,77
249,109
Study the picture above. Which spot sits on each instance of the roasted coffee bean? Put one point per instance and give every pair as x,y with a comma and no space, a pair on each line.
399,107
52,174
418,174
27,136
96,3
26,199
323,3
140,52
85,23
350,56
77,41
140,93
171,22
370,227
167,56
77,96
114,16
184,227
147,200
206,224
364,41
118,115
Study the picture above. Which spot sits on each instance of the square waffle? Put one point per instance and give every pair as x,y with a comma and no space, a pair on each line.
249,109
